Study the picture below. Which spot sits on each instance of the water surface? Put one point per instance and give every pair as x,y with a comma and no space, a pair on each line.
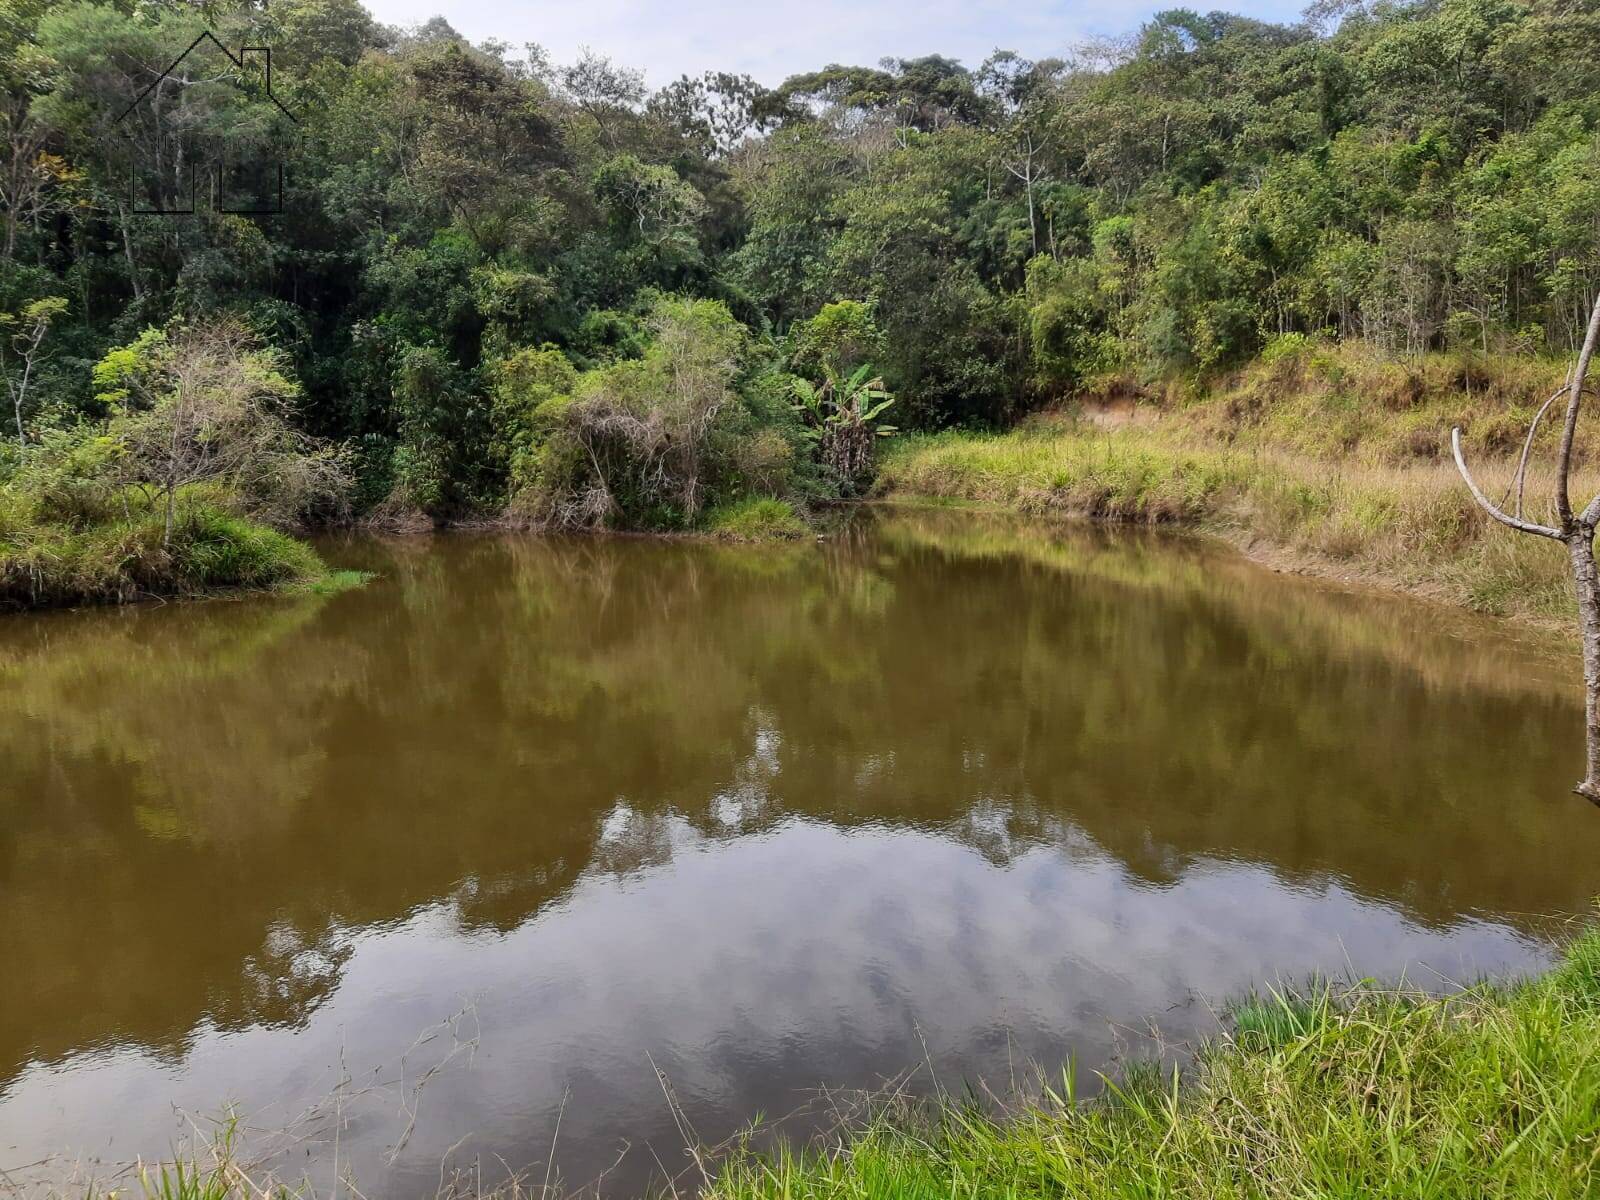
499,837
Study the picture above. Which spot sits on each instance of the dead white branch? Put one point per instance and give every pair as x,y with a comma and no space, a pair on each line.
1576,532
1489,505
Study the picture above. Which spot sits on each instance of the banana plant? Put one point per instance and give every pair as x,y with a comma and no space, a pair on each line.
841,416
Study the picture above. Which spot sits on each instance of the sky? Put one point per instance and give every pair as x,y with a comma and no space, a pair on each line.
772,39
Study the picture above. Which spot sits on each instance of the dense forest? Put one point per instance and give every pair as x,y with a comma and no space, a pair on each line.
505,287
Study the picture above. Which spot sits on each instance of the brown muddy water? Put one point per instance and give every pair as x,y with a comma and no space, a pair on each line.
484,844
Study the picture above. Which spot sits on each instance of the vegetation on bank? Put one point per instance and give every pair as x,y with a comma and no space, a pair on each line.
702,431
187,484
131,558
1365,1092
192,475
756,521
1332,457
511,288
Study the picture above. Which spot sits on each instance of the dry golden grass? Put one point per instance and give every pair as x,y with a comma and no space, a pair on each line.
1330,461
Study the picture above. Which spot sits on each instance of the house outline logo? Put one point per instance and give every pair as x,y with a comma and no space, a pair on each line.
221,163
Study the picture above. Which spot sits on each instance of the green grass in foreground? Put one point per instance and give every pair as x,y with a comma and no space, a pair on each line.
1359,1092
1493,1092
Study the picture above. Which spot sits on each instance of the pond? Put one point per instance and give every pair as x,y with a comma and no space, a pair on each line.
643,837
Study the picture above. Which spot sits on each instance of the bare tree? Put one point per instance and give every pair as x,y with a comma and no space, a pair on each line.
1020,92
25,332
30,176
1575,530
1023,162
607,94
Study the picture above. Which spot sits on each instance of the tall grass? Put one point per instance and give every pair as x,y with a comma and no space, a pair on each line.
757,519
1362,1093
1371,499
125,556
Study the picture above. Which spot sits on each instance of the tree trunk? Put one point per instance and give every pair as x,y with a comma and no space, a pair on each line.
127,249
1576,531
22,391
1033,223
1580,545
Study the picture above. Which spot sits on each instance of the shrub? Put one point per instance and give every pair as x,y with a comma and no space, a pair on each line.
441,459
1285,345
758,519
210,405
530,390
69,477
841,337
184,489
645,443
128,557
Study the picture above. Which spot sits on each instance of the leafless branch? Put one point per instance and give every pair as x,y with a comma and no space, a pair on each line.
1527,445
1488,505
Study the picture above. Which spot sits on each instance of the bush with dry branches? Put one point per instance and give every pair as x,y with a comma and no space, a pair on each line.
636,440
206,410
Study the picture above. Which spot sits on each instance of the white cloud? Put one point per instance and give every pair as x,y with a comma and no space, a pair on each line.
774,39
